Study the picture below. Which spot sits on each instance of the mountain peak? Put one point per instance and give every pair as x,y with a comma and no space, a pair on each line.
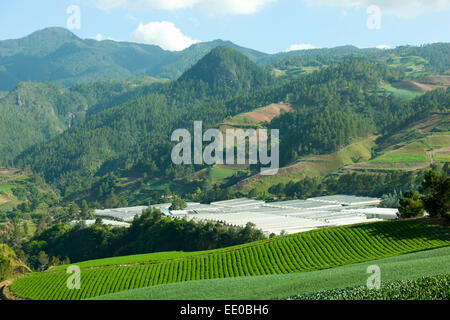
224,68
53,32
39,43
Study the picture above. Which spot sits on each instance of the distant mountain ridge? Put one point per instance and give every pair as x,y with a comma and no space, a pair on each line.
57,55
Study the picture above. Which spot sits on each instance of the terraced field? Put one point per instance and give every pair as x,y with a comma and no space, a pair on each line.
309,251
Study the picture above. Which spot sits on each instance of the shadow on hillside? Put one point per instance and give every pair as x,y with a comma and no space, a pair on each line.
405,230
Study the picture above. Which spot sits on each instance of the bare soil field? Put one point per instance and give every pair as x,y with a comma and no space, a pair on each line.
267,114
425,84
261,115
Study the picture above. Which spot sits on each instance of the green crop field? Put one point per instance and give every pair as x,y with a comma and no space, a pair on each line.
426,288
315,166
442,158
5,188
309,251
401,93
398,157
439,140
220,173
272,287
135,259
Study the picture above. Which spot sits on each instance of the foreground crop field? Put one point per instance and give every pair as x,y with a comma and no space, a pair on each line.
309,251
274,287
427,288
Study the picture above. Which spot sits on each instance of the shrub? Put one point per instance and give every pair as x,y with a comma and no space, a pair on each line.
411,206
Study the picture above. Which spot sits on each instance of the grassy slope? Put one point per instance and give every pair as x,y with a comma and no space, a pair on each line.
400,92
410,266
10,265
416,147
312,166
309,251
417,151
14,178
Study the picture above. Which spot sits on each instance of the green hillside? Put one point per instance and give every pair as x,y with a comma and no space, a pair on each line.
312,166
18,187
138,130
10,265
34,112
413,61
404,267
309,251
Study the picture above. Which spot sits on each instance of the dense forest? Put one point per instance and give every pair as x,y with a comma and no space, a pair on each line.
362,184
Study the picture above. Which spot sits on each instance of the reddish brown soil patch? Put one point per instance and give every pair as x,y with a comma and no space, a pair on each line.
431,122
436,80
445,150
3,199
267,114
425,84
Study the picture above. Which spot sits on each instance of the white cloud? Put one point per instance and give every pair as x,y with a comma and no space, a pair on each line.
214,7
384,47
164,34
98,37
302,46
401,8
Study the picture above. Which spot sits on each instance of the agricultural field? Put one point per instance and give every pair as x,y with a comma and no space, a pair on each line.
273,287
426,288
309,251
17,187
431,148
221,173
402,92
312,166
412,65
258,116
406,155
442,157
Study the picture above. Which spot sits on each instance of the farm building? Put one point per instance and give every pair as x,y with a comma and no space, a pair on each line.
275,217
112,223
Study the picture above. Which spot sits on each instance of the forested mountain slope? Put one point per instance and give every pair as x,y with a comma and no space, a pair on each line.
138,130
35,112
135,136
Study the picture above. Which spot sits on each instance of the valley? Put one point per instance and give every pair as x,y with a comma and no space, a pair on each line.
88,178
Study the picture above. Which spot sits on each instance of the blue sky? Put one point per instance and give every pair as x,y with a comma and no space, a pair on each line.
266,25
